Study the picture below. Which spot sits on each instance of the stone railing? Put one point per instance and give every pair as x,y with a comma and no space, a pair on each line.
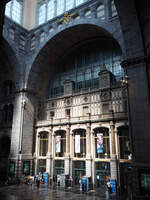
82,119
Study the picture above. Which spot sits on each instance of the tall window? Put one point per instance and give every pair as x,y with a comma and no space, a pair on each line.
60,143
80,143
105,109
14,10
113,9
60,7
101,12
42,12
102,148
69,4
43,143
50,9
8,9
78,2
124,141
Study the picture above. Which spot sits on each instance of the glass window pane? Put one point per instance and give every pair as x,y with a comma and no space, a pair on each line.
7,10
114,11
42,13
78,2
16,12
60,7
69,4
50,10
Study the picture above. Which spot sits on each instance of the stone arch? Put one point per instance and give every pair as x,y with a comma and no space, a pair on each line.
62,40
9,64
101,128
131,32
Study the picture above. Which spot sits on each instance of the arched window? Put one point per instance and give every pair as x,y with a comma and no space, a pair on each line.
43,143
80,143
42,36
105,109
124,143
101,12
50,9
14,10
60,143
113,9
8,9
102,147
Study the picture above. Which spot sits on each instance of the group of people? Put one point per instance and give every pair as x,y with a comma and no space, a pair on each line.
30,180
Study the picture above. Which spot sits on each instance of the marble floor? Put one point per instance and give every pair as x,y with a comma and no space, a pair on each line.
28,192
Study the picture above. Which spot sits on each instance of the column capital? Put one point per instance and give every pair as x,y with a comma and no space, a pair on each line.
68,126
111,123
53,134
88,125
88,156
71,133
50,129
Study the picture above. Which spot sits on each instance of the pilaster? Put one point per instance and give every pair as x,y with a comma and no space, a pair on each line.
67,156
113,161
88,151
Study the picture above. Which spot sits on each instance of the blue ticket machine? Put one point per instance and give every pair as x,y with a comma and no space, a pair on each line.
45,176
84,184
113,185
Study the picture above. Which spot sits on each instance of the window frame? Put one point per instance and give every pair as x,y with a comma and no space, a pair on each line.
12,3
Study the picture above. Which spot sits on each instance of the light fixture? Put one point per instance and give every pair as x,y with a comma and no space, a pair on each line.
124,81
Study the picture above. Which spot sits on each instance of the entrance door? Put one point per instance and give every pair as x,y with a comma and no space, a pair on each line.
102,173
78,171
58,167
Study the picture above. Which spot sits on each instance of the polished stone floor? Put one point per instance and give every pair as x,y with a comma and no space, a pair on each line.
28,192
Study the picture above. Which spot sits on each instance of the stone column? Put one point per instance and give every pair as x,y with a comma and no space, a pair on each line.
37,146
113,161
67,155
53,153
88,151
93,157
49,154
71,151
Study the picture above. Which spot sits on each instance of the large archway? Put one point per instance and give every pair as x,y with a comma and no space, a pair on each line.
58,47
